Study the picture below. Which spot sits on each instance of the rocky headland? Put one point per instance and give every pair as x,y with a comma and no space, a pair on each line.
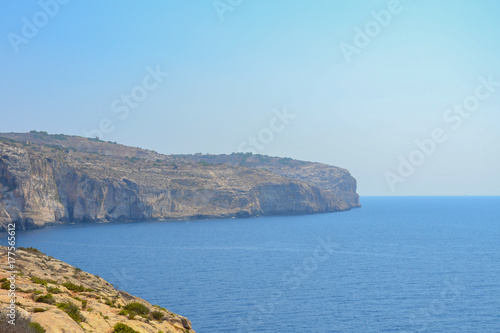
47,179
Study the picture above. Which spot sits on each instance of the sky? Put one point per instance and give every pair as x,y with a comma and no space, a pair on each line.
404,94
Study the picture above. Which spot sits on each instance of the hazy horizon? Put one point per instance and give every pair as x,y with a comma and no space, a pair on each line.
404,94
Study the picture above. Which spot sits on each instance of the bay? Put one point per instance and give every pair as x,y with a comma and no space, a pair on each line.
398,264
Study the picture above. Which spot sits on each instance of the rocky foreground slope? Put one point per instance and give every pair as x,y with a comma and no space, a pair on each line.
54,297
46,179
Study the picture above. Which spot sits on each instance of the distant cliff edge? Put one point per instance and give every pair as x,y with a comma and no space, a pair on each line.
47,179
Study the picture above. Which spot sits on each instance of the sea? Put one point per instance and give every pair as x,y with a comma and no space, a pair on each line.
397,264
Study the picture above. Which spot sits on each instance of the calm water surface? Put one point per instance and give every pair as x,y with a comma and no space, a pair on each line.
410,264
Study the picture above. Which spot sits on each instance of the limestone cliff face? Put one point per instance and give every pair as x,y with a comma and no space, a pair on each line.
28,190
330,178
326,177
44,184
297,198
97,305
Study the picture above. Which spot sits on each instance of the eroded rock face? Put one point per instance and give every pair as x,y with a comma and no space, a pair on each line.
336,180
98,302
45,184
29,194
330,178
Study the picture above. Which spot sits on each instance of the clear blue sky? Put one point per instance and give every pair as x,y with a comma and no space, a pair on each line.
228,77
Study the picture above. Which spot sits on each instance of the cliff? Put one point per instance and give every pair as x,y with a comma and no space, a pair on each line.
62,298
327,177
47,179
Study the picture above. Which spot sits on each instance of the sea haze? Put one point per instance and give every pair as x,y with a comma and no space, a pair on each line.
398,264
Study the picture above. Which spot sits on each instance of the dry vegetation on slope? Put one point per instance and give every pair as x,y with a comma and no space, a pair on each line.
56,297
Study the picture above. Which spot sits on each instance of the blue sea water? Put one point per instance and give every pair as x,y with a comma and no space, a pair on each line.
398,264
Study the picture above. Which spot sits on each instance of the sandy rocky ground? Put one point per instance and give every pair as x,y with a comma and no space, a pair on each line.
80,301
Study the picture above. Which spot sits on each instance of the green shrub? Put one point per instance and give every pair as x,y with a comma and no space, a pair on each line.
159,307
72,311
137,307
36,327
6,285
48,299
43,282
285,160
7,140
59,136
3,279
74,287
54,290
22,324
158,315
122,328
38,281
30,249
35,310
130,313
